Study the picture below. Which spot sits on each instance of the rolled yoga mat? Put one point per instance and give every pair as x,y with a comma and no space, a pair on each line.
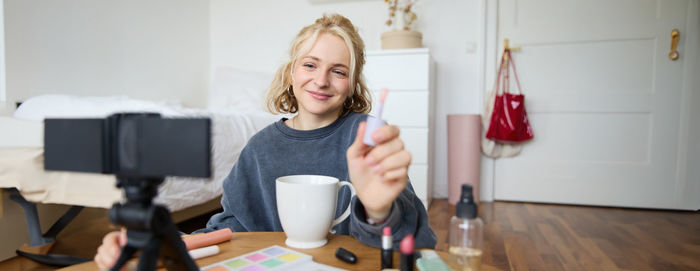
463,154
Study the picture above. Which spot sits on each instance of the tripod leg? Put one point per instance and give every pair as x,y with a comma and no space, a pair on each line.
174,249
127,252
148,260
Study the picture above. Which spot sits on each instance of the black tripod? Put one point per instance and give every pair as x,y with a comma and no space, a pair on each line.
149,228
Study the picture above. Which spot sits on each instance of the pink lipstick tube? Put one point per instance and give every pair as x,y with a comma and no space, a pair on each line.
406,247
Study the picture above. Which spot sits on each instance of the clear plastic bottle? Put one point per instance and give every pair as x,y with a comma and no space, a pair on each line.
466,234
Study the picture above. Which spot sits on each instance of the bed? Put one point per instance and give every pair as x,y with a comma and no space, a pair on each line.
21,166
236,116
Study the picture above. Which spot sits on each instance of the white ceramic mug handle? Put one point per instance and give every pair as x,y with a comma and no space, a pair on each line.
347,209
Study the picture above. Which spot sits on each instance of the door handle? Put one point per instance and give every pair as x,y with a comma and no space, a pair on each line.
675,37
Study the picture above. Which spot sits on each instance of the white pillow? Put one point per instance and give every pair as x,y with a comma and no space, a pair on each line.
68,106
238,91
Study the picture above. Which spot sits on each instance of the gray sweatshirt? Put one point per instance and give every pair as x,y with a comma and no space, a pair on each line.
277,150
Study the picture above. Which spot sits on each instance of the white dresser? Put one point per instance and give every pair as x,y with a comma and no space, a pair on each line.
408,74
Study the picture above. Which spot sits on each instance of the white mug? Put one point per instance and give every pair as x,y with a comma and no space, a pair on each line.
306,205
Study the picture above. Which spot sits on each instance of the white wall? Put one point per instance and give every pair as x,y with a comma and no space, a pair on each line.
145,49
2,52
255,35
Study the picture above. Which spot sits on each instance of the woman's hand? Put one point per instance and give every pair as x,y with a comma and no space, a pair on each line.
378,173
109,251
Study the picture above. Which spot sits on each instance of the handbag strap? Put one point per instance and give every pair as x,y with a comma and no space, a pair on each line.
497,89
506,74
512,63
504,86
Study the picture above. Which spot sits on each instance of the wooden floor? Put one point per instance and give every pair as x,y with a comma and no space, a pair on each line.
525,236
518,236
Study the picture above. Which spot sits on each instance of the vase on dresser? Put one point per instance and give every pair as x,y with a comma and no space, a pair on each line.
402,39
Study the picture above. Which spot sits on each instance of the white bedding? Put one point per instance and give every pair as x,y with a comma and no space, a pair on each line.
230,132
21,165
235,105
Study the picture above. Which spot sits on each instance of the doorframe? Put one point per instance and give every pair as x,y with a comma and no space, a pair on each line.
687,188
487,52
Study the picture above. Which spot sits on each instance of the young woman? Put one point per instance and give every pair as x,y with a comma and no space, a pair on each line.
322,83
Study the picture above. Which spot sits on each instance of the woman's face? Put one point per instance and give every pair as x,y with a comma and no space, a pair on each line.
322,78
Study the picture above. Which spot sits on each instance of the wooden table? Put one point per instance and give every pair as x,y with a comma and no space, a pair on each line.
368,258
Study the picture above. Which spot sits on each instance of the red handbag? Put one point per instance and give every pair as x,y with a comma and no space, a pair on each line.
509,122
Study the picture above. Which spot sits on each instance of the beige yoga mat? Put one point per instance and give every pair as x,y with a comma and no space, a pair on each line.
464,154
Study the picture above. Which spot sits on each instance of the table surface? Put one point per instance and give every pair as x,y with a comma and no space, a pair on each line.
368,258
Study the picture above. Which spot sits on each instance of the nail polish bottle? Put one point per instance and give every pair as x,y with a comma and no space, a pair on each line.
466,234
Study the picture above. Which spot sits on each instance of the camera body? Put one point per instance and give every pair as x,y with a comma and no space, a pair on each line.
129,145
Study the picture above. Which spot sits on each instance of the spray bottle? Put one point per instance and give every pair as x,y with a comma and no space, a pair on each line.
466,234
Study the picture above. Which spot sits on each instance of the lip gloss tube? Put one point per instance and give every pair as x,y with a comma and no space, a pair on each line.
406,247
387,248
374,123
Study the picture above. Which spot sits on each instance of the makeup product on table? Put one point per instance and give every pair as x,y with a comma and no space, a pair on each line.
430,261
270,258
204,252
387,248
373,123
207,239
407,258
466,234
345,255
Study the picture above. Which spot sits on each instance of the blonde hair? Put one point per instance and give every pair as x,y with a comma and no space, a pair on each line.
280,97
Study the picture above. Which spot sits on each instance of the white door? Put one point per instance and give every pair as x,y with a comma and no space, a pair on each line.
603,98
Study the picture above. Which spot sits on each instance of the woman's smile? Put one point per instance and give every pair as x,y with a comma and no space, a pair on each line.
319,95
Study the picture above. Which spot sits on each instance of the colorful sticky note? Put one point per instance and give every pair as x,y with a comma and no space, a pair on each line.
272,263
289,257
274,251
237,263
256,257
253,268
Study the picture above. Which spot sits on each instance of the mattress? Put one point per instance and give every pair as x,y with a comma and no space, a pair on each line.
21,165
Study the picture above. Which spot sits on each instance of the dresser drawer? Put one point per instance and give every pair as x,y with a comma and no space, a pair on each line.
418,174
398,72
404,108
416,141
